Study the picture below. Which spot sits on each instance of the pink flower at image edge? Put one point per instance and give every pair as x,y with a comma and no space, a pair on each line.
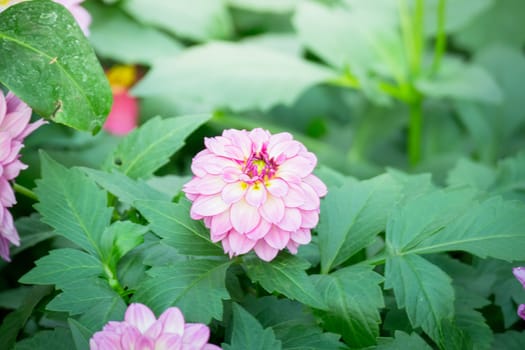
256,191
123,117
14,127
80,14
519,273
141,330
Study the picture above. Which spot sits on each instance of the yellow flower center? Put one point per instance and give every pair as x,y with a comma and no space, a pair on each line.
121,76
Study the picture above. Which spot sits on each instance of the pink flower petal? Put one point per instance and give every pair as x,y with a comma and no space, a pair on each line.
519,273
140,316
240,244
209,184
208,206
309,218
521,311
124,114
318,186
298,165
272,210
256,195
292,246
196,335
169,342
277,238
241,140
277,187
221,223
9,231
295,196
4,249
311,201
260,231
301,236
288,148
291,220
172,321
258,137
244,217
233,192
7,196
264,251
5,146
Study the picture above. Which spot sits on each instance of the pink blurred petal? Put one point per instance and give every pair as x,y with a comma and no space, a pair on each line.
140,316
301,236
521,311
123,117
172,321
196,335
169,342
519,273
309,218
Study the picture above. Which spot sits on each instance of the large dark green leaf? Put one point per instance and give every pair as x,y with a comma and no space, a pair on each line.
57,339
47,62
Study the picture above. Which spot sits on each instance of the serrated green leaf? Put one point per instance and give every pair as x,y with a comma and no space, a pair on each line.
172,222
249,334
186,284
126,189
200,20
352,216
257,77
31,231
49,64
404,341
13,298
286,275
425,216
467,172
353,297
510,176
149,147
510,340
299,337
57,339
116,36
423,289
471,321
17,319
491,228
72,204
79,333
63,267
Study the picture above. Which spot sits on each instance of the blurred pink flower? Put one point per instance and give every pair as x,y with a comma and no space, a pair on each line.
519,273
80,14
124,114
140,330
256,191
14,127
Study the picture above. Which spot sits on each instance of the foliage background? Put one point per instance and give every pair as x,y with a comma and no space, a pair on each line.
414,109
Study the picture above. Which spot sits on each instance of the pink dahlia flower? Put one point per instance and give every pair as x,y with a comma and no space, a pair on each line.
256,191
14,127
80,14
519,273
140,330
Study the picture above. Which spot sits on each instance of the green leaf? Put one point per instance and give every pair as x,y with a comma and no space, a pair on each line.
351,217
467,172
149,147
423,289
267,6
491,228
63,267
471,321
199,20
13,298
353,297
458,14
17,319
510,340
72,204
120,238
425,216
126,189
57,339
257,77
461,81
404,341
172,222
249,334
31,231
286,275
116,36
79,333
187,284
49,64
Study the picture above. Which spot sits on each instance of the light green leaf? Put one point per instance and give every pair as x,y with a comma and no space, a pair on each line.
79,333
352,216
198,20
269,6
249,334
63,267
353,297
423,289
17,319
510,176
286,275
404,341
424,216
172,222
116,36
461,81
72,204
120,238
458,14
471,321
257,77
31,231
491,228
49,64
126,189
197,287
467,172
149,147
57,339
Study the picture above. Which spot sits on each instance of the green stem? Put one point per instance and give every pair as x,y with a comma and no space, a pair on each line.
25,191
113,281
415,128
441,37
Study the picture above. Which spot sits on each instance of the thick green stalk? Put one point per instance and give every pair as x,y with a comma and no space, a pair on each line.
415,128
25,191
441,36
